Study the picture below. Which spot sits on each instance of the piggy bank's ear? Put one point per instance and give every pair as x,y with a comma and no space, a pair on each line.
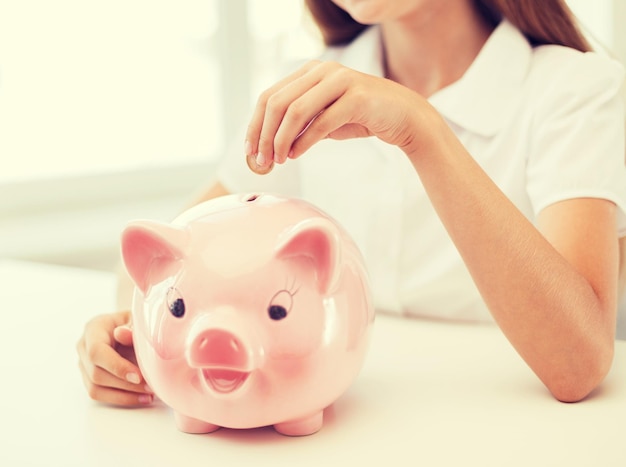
147,246
316,240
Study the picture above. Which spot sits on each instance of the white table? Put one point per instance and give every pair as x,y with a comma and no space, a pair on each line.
430,394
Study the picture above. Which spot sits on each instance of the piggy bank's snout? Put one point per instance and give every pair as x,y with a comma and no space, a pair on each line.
217,348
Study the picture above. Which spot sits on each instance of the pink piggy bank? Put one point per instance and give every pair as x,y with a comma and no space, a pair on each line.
249,310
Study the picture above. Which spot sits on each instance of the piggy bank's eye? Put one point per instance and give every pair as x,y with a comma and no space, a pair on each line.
280,305
178,308
277,312
175,303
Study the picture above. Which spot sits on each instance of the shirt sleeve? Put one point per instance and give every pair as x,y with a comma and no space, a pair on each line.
579,145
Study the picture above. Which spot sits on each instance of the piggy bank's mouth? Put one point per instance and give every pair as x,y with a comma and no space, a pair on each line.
224,381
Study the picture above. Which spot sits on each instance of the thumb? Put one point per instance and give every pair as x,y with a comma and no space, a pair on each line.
123,335
348,131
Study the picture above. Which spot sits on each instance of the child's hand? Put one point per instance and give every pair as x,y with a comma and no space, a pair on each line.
107,362
328,100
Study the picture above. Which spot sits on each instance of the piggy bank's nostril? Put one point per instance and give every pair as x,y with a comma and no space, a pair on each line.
217,348
227,344
251,198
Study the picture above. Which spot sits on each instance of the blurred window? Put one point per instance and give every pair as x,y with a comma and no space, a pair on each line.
95,86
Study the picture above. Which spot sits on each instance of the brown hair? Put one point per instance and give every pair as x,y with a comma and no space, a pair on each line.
541,21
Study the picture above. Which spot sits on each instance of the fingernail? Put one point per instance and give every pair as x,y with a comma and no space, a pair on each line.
133,378
247,148
144,399
260,159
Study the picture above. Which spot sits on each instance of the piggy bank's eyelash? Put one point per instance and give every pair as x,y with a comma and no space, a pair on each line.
293,288
175,302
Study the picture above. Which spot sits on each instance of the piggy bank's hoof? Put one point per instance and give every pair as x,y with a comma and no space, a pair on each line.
302,426
193,425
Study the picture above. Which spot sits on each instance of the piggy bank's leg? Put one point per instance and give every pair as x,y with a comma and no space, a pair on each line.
302,426
193,425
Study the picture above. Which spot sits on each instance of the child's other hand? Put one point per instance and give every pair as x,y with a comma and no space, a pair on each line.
107,362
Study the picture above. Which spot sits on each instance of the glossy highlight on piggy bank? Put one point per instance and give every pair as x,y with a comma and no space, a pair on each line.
249,310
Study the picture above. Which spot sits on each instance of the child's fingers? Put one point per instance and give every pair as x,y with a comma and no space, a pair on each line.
105,357
123,335
115,396
100,377
259,148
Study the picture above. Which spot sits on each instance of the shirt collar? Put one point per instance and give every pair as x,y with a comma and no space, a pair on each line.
483,97
489,91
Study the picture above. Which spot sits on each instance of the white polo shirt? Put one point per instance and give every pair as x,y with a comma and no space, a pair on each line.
545,123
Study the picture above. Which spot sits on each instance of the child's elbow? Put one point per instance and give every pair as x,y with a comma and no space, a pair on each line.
575,384
572,392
